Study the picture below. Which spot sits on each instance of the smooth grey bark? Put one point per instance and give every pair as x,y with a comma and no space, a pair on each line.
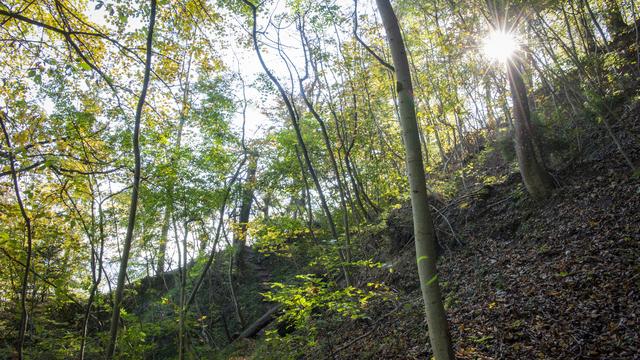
232,288
96,277
164,232
346,144
307,195
115,317
234,298
424,233
96,254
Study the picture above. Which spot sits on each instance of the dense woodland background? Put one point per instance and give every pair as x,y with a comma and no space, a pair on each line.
227,179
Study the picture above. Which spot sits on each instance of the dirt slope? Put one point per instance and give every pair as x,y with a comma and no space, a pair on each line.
553,281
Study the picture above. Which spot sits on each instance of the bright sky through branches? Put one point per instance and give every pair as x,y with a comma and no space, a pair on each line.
500,45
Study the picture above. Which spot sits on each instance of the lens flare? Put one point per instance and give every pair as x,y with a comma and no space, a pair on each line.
500,45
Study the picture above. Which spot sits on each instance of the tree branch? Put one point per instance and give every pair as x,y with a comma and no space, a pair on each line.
366,47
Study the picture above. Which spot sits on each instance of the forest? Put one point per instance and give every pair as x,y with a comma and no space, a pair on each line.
300,179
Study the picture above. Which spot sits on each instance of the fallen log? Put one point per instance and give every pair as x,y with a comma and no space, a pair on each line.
260,324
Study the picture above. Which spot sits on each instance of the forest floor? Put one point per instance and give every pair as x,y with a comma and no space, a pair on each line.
559,280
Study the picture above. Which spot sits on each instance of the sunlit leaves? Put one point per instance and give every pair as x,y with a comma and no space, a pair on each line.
311,297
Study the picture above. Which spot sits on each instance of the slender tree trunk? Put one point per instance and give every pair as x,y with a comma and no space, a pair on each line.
307,195
240,236
115,318
593,17
422,221
183,292
168,209
96,275
588,38
567,24
636,31
207,265
232,290
164,232
24,316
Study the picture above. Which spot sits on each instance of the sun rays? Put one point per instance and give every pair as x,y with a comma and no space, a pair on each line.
500,46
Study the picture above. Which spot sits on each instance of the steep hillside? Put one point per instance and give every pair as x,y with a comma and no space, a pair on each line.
522,280
553,281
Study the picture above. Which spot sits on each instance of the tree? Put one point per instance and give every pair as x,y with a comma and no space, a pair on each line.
24,315
295,122
246,196
424,232
126,249
534,175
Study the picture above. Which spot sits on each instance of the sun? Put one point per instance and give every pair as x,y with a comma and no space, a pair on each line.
500,45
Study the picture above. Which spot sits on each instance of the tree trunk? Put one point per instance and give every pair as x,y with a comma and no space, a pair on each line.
115,318
240,236
96,275
425,238
261,323
212,254
535,177
327,143
24,315
588,38
164,233
183,291
168,209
